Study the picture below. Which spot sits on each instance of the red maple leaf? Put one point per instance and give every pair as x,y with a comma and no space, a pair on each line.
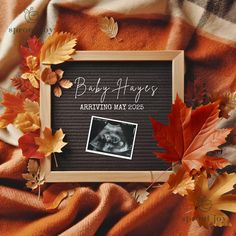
26,88
29,147
13,104
190,135
33,49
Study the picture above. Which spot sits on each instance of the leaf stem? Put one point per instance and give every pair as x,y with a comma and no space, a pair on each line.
39,192
55,159
150,186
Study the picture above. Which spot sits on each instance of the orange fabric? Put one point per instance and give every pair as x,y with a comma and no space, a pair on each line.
9,10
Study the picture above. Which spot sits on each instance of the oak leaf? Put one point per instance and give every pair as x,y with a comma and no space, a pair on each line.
208,202
13,104
57,48
50,143
33,177
109,26
29,147
190,135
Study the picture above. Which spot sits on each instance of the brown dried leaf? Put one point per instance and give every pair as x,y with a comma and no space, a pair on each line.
57,48
66,84
59,73
57,91
33,177
48,76
109,26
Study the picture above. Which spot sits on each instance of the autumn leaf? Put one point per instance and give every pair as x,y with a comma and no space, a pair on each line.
208,202
26,89
181,182
109,26
13,104
29,147
33,50
31,106
48,76
57,48
214,163
227,102
33,177
190,135
32,77
27,122
32,63
140,195
57,91
50,143
64,83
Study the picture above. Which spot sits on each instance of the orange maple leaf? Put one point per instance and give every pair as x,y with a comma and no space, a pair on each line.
190,135
13,104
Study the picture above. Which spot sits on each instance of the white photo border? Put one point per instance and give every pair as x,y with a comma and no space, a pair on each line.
108,154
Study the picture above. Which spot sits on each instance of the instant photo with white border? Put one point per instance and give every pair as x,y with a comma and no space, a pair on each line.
113,138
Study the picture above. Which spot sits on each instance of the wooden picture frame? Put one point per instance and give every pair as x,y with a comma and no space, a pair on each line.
177,59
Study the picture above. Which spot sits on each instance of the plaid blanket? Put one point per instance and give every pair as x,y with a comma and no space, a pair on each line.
205,29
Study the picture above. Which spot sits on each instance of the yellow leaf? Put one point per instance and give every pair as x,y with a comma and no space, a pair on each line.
32,77
57,91
66,84
109,26
181,182
33,63
50,143
208,202
31,106
33,177
32,166
57,48
140,195
27,122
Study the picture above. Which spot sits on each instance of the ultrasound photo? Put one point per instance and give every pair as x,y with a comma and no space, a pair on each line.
111,137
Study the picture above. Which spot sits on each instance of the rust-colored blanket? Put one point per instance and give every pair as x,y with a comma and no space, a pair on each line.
204,29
